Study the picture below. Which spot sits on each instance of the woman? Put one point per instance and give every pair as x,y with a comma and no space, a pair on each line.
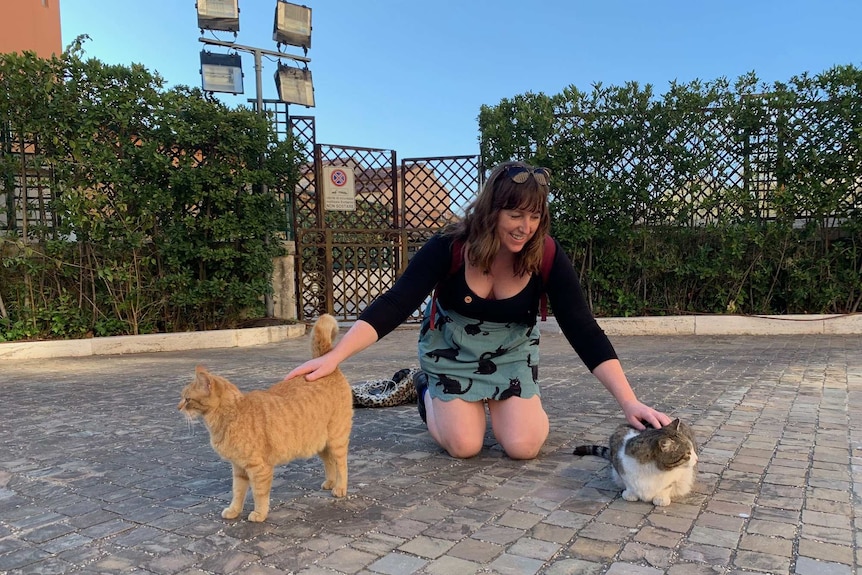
483,346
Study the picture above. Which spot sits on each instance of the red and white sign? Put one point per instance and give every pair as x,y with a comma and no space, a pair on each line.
339,191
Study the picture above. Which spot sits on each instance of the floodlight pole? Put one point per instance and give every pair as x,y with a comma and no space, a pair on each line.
258,87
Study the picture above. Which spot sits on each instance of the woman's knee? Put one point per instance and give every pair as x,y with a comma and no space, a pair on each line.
521,426
458,426
522,448
461,445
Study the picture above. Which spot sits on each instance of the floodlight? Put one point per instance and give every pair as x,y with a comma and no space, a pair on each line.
292,24
218,15
294,85
221,72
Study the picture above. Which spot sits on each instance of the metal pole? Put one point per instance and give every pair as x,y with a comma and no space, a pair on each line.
258,83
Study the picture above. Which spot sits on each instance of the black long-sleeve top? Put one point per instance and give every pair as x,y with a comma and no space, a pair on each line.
431,264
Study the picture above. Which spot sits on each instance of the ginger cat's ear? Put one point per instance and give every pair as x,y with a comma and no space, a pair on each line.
203,378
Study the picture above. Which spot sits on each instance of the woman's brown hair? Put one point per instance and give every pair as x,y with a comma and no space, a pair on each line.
511,186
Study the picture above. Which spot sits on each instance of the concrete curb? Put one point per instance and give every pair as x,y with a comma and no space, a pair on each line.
633,326
150,343
734,325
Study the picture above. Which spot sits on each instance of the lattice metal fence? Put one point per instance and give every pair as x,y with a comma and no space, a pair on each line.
26,190
711,167
438,190
346,258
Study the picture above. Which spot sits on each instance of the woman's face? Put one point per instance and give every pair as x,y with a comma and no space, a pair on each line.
515,228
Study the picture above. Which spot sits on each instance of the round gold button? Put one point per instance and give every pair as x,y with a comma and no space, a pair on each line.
468,299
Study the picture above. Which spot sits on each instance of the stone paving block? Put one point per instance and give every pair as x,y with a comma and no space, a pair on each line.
768,545
553,533
659,557
594,550
534,548
621,517
605,532
348,560
498,534
172,562
658,537
808,566
292,559
662,520
507,564
717,537
702,553
429,547
836,535
756,561
823,551
519,519
567,519
627,569
574,567
397,564
695,569
448,565
476,551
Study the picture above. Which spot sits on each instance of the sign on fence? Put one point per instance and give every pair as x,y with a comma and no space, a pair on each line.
339,191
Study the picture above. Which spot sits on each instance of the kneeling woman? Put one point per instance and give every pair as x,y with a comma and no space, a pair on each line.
479,342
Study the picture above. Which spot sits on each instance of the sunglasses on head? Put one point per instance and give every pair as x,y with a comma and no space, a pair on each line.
519,174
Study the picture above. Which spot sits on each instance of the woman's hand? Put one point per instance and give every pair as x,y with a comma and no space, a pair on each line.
315,368
638,414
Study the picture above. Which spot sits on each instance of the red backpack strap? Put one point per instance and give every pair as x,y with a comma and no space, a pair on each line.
548,253
457,259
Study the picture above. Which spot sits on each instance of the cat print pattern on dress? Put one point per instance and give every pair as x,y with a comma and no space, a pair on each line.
474,359
514,390
653,465
453,386
475,329
485,365
261,429
444,353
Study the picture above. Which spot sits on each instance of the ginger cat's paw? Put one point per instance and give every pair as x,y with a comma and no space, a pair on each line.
229,513
339,491
257,516
661,501
327,484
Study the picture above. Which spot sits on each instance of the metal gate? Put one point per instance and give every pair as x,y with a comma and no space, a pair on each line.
346,258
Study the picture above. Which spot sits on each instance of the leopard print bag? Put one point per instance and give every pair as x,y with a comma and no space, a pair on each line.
386,392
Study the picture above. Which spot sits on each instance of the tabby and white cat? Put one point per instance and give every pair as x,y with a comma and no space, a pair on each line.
653,465
260,429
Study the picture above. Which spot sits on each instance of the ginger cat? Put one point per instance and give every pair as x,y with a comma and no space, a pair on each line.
260,429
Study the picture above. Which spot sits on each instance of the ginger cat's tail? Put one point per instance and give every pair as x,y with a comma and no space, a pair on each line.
323,333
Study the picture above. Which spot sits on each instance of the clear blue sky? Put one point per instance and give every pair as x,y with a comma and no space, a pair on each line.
410,76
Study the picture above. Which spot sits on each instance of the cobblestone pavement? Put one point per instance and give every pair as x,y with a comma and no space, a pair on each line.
99,473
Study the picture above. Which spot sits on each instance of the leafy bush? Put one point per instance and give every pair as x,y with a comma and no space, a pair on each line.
164,216
711,199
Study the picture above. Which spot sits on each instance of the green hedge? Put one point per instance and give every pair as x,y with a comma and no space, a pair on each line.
162,216
710,199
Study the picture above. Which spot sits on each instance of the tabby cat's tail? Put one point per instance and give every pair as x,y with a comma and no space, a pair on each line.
323,333
597,450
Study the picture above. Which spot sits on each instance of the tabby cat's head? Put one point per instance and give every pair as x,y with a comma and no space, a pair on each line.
671,446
